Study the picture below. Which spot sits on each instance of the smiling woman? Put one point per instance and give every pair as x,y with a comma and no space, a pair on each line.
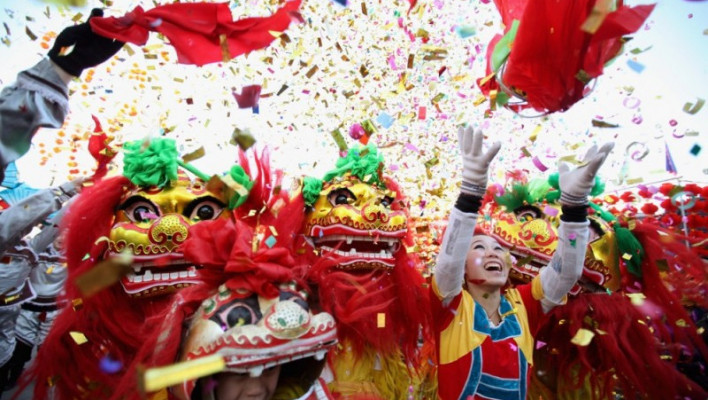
493,357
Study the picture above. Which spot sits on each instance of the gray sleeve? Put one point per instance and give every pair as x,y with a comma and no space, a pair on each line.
18,220
38,98
450,266
566,266
43,239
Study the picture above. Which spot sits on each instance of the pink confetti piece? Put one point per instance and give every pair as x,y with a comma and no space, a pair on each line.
548,210
411,147
539,164
631,102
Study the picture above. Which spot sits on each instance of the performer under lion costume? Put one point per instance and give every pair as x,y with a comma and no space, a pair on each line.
144,216
249,308
624,330
374,290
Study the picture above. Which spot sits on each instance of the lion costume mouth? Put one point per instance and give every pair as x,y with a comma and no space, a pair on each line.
357,249
153,280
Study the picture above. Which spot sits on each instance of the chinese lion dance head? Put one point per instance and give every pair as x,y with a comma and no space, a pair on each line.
256,334
249,310
357,220
145,217
525,220
356,215
636,278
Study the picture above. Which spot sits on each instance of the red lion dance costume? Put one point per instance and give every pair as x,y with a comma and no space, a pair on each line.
624,330
374,289
249,309
147,214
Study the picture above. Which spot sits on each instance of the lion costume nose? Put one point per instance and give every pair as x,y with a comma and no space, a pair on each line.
169,231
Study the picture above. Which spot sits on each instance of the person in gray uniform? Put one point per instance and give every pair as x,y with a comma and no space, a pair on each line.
39,98
46,279
23,260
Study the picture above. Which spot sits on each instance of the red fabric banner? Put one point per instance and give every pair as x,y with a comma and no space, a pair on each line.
201,33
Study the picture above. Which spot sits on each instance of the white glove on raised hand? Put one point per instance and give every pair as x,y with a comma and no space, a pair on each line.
575,185
475,162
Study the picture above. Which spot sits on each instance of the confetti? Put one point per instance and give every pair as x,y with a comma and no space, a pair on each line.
104,274
582,337
157,378
637,299
602,124
635,66
385,120
78,337
692,108
194,155
109,365
249,96
539,164
242,138
381,320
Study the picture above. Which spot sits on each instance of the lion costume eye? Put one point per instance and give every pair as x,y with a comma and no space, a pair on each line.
527,213
204,209
140,209
341,196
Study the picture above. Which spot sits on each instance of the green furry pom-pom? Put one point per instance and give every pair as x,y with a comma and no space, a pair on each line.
311,188
362,162
151,165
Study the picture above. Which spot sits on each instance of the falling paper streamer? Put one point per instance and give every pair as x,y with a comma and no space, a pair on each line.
155,379
104,274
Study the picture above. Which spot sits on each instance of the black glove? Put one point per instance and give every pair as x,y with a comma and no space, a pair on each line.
89,49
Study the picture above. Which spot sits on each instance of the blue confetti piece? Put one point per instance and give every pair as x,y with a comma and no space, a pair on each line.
385,120
109,365
341,2
466,31
695,149
636,67
270,242
255,109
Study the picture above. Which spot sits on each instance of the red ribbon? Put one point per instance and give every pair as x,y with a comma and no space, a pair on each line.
201,33
224,247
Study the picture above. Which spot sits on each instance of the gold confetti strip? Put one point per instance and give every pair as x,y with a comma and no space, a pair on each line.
104,274
637,299
154,379
381,320
195,155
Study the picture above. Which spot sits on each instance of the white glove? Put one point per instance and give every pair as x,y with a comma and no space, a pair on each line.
475,162
575,185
